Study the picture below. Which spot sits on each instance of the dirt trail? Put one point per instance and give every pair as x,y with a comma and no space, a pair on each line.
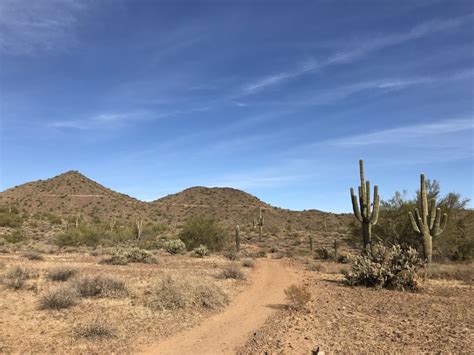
226,331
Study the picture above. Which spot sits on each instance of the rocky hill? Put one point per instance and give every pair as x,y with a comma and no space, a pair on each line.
73,194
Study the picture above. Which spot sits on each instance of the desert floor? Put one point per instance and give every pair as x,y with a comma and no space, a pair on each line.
439,318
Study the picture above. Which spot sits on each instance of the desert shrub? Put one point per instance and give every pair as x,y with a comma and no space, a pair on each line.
100,286
95,330
12,220
17,236
386,267
123,256
61,273
32,255
232,272
62,297
258,254
201,251
232,254
298,296
205,231
15,278
175,246
175,293
316,267
323,253
248,263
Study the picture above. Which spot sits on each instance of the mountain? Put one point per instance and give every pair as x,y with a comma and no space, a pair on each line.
71,193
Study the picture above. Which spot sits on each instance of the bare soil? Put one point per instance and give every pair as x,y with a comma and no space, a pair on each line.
228,330
341,319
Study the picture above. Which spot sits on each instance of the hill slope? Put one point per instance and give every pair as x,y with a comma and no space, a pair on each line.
71,193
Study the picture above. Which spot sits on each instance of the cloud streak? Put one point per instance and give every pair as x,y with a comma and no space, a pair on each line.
349,55
404,134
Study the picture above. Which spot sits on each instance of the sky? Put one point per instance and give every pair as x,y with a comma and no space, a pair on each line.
277,98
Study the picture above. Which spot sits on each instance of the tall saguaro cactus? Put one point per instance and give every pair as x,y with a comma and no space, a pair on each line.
139,227
428,224
365,212
259,222
237,238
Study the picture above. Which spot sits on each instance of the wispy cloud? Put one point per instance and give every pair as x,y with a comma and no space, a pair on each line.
406,133
105,120
352,53
28,27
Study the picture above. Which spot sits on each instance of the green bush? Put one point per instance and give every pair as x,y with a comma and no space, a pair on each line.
201,251
386,267
203,231
175,246
17,236
123,256
11,220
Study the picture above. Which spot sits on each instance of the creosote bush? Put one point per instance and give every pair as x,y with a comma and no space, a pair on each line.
100,286
386,267
175,246
63,297
61,273
205,231
232,272
123,256
177,293
298,296
201,251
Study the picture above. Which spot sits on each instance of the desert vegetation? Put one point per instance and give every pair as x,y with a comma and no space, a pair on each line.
167,265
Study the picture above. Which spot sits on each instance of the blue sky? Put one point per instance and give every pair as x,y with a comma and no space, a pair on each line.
278,98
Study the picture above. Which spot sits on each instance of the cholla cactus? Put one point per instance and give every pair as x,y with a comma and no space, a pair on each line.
428,224
259,222
365,212
237,238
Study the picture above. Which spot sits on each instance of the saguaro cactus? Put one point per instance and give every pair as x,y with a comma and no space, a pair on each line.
365,212
428,224
237,238
139,227
311,243
259,222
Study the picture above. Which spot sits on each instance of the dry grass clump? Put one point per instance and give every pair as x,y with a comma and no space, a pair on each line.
16,277
32,255
100,286
61,273
298,296
232,272
95,330
248,263
232,255
461,272
175,293
60,298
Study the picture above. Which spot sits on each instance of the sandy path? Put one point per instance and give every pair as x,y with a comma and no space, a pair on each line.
226,331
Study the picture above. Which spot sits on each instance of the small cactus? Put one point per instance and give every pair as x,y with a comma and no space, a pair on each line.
365,212
428,224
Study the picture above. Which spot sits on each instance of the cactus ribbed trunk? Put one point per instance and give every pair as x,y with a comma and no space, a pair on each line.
427,222
311,243
367,213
